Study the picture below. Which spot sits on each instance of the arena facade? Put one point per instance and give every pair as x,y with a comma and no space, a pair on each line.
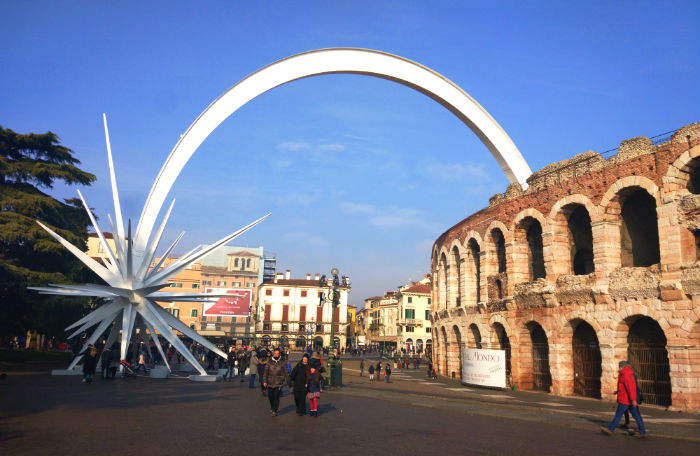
596,262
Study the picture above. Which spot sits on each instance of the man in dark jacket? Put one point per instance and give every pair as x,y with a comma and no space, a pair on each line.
299,383
626,400
274,378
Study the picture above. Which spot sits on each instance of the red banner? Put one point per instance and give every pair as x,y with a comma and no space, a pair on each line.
235,306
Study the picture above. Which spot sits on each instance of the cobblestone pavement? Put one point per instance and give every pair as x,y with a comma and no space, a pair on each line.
41,414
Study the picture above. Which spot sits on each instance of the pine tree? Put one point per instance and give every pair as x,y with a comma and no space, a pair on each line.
28,255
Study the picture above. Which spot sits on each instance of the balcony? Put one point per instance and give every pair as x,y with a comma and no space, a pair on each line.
410,322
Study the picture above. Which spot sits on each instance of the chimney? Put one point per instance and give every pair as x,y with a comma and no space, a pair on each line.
318,276
287,274
278,276
308,276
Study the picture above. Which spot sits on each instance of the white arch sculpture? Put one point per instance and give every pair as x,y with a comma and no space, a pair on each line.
327,61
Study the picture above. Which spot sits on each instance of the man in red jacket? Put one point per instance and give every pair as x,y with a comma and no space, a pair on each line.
626,400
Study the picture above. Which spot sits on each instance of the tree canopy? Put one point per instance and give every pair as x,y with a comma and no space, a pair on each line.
30,163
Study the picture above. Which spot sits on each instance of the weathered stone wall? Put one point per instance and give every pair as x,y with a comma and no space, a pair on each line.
612,298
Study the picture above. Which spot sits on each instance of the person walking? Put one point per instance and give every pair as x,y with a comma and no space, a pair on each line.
104,360
379,370
142,362
299,383
387,373
316,384
231,364
210,360
362,367
242,365
253,368
274,378
626,400
262,363
89,363
371,372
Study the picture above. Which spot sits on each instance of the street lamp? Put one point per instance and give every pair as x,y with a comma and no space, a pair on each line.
333,296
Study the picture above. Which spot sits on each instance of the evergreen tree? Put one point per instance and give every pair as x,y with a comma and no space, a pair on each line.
28,255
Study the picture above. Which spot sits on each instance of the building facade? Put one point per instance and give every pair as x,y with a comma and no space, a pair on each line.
596,262
297,312
414,331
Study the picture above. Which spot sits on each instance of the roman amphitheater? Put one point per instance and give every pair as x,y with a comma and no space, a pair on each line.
596,262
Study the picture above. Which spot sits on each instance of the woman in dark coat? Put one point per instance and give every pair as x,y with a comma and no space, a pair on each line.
299,383
89,363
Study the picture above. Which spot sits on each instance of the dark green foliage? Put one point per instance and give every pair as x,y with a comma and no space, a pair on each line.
28,255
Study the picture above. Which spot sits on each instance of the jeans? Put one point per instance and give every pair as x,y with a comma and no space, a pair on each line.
273,395
230,372
362,371
388,378
621,409
251,385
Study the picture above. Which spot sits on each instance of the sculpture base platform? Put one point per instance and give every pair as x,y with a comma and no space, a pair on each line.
161,372
205,378
66,372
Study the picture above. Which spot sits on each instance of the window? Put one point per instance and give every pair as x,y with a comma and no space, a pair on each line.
428,301
285,292
218,319
100,248
193,313
318,328
304,293
427,330
284,327
427,314
247,263
320,294
410,313
195,285
410,329
266,326
268,291
410,299
235,263
176,284
220,283
176,312
206,282
250,284
235,284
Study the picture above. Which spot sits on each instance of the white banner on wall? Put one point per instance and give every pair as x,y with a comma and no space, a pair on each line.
484,367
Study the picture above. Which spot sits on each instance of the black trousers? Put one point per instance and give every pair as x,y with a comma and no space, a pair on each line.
273,394
300,401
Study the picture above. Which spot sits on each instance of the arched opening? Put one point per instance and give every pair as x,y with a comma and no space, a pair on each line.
587,361
499,288
284,341
475,253
500,246
529,232
445,348
504,344
300,342
639,232
419,345
318,343
475,340
266,341
456,368
442,282
409,344
647,354
456,278
693,168
541,375
580,239
429,347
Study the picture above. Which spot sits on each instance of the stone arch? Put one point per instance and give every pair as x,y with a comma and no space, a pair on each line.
586,358
454,358
443,281
332,61
496,264
444,351
572,240
683,173
645,340
455,274
472,280
501,340
529,228
533,356
474,336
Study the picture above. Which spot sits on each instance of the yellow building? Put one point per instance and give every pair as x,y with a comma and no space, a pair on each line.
352,326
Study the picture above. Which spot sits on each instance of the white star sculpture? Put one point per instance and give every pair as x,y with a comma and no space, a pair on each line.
133,284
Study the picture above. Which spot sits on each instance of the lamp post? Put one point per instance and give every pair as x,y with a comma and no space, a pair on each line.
334,297
310,327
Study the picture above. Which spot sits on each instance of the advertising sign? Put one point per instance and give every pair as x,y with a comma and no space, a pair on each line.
484,367
360,340
234,306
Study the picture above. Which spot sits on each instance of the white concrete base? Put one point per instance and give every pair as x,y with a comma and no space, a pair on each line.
66,372
187,368
159,372
205,378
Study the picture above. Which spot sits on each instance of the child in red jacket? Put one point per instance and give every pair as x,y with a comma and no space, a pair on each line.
626,400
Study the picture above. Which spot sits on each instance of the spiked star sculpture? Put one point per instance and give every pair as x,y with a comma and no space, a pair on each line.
133,283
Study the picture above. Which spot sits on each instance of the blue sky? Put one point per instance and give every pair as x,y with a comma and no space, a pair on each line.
359,173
